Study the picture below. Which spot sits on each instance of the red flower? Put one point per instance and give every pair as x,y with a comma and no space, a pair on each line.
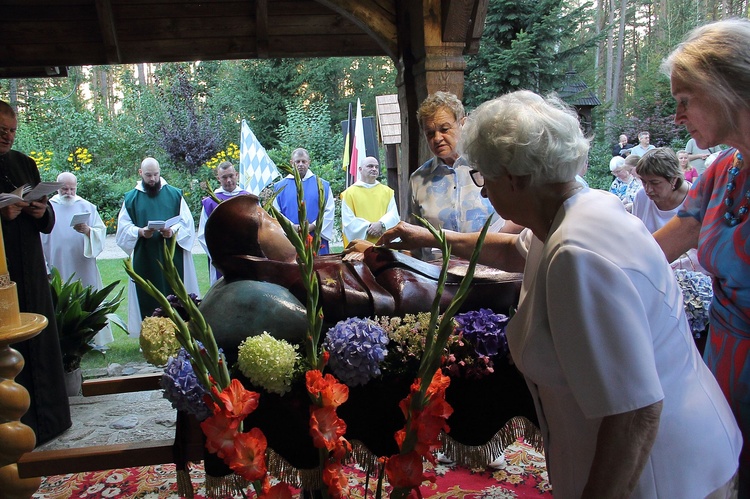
238,401
220,431
330,392
326,428
334,478
249,460
278,491
404,471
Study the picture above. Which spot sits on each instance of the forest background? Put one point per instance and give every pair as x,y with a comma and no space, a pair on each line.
101,121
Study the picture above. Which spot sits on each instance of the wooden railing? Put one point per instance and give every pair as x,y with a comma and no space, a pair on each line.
105,457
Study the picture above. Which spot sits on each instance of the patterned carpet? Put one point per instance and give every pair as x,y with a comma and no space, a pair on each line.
523,475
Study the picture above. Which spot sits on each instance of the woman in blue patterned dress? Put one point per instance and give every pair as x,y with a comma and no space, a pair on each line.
710,78
625,185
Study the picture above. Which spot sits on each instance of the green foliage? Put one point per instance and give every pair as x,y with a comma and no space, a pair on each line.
309,126
526,44
80,313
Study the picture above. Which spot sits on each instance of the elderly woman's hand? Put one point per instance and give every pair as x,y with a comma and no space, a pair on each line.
407,236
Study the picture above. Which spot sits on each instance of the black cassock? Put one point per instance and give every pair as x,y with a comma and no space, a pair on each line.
42,375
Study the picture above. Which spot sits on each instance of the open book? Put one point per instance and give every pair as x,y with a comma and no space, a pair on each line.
79,218
29,194
163,224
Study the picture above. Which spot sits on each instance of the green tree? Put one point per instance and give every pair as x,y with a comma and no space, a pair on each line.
526,45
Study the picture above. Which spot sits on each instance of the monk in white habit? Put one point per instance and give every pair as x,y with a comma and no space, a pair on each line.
153,200
73,245
368,208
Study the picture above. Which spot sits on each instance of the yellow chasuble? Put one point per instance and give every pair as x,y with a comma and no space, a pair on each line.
368,203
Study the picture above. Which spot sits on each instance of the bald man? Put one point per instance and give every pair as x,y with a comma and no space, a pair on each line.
368,208
73,248
154,200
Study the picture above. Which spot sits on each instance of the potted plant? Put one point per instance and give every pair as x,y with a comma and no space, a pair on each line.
80,313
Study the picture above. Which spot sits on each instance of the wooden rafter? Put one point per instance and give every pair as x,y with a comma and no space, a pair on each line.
107,29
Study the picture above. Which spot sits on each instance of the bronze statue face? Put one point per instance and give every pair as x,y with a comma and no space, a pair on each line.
241,227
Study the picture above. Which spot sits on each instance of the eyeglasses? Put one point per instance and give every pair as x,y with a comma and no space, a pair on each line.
477,178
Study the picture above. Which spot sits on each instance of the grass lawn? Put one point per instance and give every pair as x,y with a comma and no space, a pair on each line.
126,349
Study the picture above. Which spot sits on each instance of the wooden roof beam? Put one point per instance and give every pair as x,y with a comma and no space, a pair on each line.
107,29
376,17
261,28
463,21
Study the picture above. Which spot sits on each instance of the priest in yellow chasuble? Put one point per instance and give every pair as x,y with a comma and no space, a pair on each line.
368,207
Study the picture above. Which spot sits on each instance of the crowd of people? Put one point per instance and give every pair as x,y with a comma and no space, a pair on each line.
626,405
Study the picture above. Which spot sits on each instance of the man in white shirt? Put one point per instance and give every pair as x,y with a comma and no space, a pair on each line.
644,144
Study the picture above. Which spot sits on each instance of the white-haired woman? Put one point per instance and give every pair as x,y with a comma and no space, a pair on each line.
710,77
625,185
627,408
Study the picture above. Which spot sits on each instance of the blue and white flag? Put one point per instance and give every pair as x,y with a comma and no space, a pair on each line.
257,170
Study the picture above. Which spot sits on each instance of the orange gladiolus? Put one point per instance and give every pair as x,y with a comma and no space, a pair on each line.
334,478
220,431
249,460
278,491
404,471
238,401
330,392
326,428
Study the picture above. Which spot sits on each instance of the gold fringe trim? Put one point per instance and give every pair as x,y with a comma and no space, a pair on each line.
364,457
185,484
479,456
222,486
280,468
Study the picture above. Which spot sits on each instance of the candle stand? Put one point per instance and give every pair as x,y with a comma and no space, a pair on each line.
15,437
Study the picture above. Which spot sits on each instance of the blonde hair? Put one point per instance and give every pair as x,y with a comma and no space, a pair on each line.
440,100
715,59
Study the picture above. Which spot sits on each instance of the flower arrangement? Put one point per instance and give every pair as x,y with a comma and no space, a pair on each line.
425,409
268,362
697,294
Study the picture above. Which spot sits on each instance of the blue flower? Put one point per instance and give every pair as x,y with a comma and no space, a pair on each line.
697,294
356,347
485,330
181,387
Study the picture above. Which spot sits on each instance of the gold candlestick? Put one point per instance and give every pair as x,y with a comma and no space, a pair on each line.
16,438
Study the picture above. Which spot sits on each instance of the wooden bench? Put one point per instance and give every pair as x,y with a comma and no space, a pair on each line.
105,457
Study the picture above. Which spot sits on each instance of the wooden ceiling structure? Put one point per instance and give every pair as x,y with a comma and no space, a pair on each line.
426,39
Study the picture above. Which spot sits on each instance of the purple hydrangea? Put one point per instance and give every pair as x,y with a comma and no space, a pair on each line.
357,348
485,330
181,387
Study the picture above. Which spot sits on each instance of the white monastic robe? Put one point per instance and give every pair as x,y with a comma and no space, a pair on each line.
70,252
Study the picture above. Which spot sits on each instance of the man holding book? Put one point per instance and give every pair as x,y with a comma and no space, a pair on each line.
23,221
152,212
76,240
